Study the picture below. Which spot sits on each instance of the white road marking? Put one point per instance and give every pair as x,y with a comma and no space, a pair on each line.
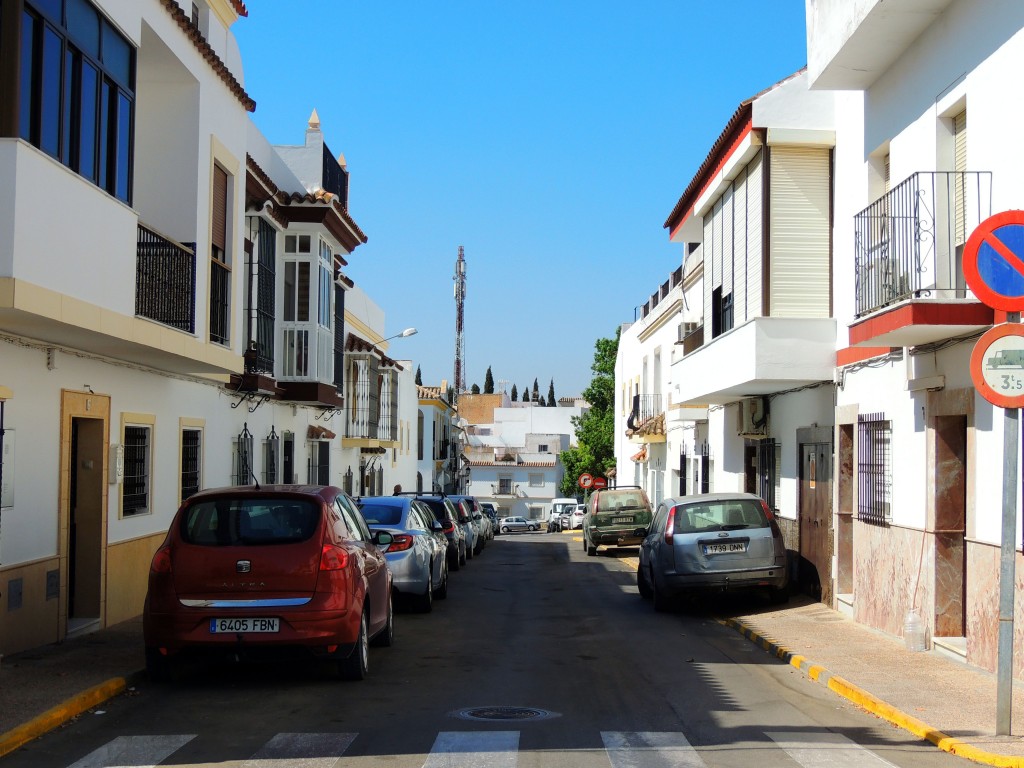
474,749
134,751
650,749
301,750
814,749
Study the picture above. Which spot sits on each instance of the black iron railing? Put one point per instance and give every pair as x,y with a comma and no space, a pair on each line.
908,243
165,280
644,408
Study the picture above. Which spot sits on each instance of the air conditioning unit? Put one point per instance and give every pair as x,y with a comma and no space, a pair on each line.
752,418
685,329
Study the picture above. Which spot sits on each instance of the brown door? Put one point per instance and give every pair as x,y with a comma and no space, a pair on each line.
815,571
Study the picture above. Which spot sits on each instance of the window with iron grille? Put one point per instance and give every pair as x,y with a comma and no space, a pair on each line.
505,486
346,484
339,338
135,487
242,469
319,462
682,472
874,468
706,468
191,461
271,458
769,456
261,311
419,436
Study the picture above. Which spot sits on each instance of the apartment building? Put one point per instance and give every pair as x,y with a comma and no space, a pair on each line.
174,308
922,156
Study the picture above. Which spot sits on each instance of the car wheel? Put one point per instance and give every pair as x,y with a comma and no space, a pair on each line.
160,668
386,637
643,586
442,591
462,554
357,664
504,529
778,596
425,602
533,527
591,548
470,551
658,598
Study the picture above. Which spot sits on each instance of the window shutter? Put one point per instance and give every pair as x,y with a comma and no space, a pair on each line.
219,235
959,168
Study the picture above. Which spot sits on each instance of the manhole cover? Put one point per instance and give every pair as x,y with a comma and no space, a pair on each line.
504,713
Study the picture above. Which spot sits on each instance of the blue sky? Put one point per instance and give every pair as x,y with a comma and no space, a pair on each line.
549,138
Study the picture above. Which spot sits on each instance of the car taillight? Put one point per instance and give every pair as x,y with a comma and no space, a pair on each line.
776,531
161,561
402,542
448,526
333,558
670,526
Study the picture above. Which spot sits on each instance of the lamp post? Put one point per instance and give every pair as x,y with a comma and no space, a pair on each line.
403,334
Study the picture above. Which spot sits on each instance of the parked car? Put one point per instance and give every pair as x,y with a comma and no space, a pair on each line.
576,516
480,527
250,570
418,555
493,517
712,542
509,524
614,515
558,517
469,525
444,512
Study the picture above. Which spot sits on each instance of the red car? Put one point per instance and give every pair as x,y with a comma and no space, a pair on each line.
251,571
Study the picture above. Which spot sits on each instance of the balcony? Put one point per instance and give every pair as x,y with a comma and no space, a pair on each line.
908,245
165,280
763,356
646,422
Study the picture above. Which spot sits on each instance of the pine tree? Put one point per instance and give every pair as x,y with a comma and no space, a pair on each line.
475,389
536,392
515,393
419,376
488,382
551,394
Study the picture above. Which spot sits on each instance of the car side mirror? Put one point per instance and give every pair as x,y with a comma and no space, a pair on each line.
641,532
436,527
383,538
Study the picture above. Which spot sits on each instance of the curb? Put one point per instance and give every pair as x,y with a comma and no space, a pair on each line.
62,713
873,704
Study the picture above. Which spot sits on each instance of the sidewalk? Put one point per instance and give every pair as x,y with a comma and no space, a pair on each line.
939,699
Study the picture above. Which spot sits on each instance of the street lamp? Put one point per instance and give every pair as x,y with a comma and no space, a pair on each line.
403,334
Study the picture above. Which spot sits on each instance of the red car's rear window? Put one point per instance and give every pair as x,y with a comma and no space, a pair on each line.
234,522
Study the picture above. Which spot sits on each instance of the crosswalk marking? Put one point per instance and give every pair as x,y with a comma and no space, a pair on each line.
814,749
301,750
485,749
474,749
136,751
650,749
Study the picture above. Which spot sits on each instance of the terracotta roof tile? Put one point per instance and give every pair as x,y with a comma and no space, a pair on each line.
185,23
240,8
358,344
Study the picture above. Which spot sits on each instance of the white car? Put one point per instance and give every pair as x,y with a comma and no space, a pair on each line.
576,516
518,524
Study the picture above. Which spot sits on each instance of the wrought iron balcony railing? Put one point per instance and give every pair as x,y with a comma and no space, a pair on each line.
644,407
165,280
908,243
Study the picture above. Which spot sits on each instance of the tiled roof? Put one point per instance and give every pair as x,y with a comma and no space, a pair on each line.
428,393
655,425
358,344
204,48
480,463
240,8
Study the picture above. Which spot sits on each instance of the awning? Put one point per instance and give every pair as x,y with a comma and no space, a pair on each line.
640,456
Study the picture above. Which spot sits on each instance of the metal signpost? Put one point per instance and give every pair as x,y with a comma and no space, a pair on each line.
993,260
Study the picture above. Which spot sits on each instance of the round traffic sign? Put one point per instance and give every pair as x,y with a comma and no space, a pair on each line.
997,365
599,483
586,480
993,260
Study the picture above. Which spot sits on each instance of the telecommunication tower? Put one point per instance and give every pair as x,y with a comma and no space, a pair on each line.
460,309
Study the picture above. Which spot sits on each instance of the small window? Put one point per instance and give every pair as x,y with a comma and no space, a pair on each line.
135,488
536,479
543,448
191,461
195,15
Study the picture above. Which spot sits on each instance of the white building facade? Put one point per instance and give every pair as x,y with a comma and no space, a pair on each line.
922,156
187,325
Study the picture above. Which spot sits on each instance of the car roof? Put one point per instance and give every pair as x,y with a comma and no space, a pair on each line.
389,501
263,491
706,497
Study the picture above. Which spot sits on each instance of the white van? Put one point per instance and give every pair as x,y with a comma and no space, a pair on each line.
560,507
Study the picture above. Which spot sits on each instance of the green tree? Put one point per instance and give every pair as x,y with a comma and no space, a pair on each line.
488,382
475,389
515,393
450,393
595,430
526,394
536,393
419,376
551,394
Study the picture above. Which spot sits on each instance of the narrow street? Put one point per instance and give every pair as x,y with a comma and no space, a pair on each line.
540,656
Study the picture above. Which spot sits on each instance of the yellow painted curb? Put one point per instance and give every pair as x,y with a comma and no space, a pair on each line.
876,706
60,714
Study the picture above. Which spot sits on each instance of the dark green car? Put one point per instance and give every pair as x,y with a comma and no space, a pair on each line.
614,515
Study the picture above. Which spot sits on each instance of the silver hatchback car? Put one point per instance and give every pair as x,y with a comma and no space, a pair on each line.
712,543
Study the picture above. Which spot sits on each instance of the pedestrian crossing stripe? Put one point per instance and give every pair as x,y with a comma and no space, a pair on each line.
486,749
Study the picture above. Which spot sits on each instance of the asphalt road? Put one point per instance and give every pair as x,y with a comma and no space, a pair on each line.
540,657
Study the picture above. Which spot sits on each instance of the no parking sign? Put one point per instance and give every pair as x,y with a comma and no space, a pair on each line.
994,261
